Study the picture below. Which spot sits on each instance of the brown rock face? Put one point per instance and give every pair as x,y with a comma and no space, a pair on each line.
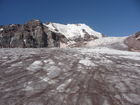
30,35
133,42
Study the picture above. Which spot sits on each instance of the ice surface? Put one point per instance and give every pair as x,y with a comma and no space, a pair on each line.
113,42
78,76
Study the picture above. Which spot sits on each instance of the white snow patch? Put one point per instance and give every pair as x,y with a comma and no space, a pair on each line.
36,65
28,88
12,25
61,88
117,96
36,20
16,64
121,87
63,45
46,79
134,98
104,60
87,62
54,72
104,50
25,40
131,57
106,103
1,29
49,61
106,41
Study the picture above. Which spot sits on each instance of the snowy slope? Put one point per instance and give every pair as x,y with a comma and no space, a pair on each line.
72,31
109,42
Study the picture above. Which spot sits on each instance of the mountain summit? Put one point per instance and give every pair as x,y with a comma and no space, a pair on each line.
36,34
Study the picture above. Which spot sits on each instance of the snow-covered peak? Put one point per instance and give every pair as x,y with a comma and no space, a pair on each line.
72,31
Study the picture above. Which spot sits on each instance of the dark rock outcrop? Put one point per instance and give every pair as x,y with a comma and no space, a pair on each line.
30,35
133,42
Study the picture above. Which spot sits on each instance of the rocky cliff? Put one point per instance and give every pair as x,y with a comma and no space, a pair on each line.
133,42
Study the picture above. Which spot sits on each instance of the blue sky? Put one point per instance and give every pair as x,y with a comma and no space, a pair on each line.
110,17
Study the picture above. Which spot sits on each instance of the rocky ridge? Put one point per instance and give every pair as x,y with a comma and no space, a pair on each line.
133,42
35,34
